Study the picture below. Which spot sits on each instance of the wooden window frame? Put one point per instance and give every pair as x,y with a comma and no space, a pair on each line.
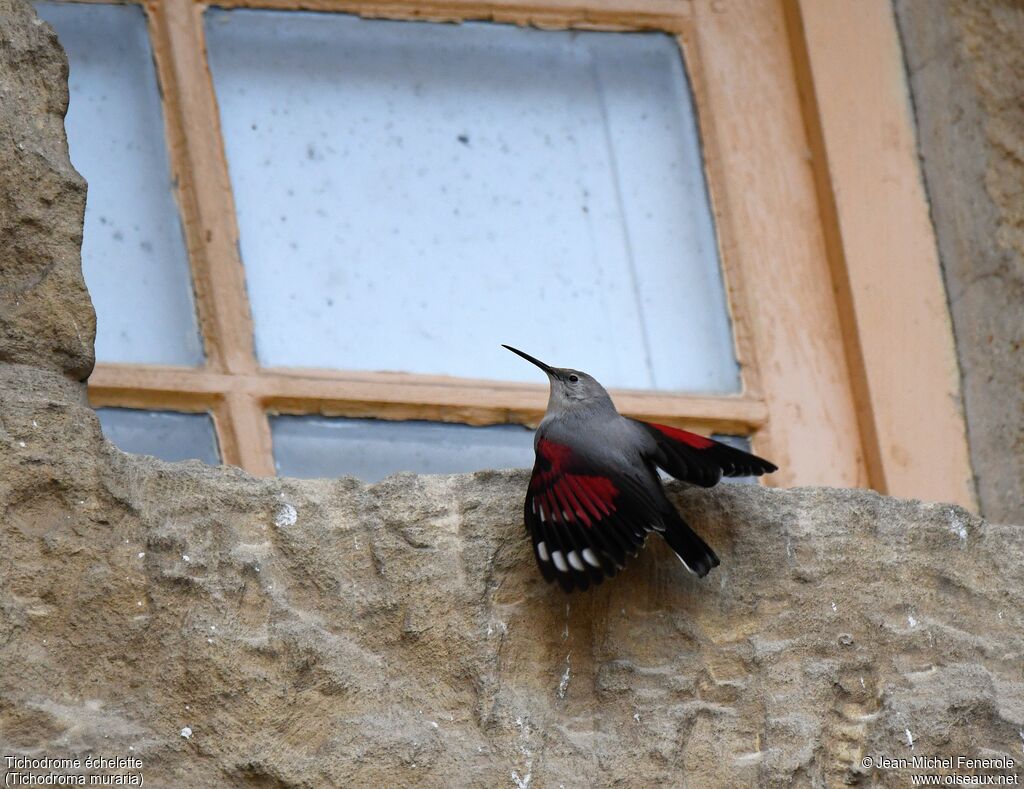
797,259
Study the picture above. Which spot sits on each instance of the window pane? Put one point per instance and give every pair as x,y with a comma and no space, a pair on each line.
313,446
164,434
410,195
133,252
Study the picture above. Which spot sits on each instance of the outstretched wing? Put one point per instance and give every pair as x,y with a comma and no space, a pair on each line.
583,522
702,461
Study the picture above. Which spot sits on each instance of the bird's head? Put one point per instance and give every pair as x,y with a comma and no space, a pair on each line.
569,388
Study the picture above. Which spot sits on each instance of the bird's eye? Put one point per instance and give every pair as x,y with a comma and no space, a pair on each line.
574,378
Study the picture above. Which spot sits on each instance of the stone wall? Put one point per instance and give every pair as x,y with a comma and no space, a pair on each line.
965,63
315,633
226,630
42,204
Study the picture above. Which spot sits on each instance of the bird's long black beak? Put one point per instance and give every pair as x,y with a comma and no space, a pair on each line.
538,362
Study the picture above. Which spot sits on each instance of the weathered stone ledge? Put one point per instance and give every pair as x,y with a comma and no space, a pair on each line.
324,632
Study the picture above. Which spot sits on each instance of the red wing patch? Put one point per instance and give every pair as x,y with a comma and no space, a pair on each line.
560,493
684,436
581,522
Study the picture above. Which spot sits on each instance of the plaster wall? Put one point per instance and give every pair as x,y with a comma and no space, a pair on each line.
965,63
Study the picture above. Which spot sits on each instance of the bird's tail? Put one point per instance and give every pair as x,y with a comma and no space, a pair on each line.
692,551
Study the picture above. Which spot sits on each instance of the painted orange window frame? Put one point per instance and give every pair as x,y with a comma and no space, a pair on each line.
817,199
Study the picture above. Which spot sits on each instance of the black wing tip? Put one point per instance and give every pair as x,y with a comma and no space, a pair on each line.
756,467
570,585
563,554
738,462
704,463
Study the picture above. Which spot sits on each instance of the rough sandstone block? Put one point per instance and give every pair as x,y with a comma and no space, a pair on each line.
46,317
327,632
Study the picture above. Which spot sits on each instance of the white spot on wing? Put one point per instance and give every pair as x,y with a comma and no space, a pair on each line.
542,551
574,560
590,558
560,561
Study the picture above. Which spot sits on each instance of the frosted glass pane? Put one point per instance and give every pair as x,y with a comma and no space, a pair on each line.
164,434
133,252
313,446
410,195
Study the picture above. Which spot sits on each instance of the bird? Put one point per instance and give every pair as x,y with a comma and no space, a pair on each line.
595,492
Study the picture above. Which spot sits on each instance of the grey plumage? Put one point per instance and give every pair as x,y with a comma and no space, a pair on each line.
595,492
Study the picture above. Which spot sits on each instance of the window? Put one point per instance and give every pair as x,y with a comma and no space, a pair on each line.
312,446
369,206
133,251
165,434
410,195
